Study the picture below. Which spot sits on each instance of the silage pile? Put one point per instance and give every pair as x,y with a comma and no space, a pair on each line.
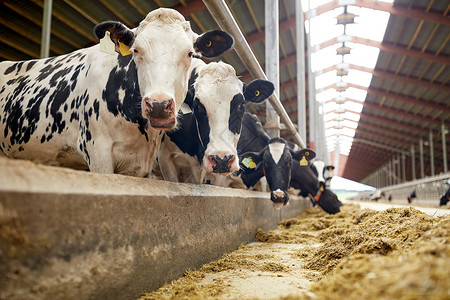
399,253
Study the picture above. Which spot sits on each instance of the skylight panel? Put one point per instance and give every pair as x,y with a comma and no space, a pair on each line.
358,77
362,55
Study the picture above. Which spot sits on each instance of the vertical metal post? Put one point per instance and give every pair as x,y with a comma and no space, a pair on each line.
301,88
337,155
403,167
389,181
272,63
422,172
413,162
311,88
431,152
444,148
46,28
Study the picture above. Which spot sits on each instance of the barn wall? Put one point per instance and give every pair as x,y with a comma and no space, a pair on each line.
80,235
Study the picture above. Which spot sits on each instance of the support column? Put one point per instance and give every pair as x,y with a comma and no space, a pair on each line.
46,28
413,162
311,89
301,70
422,172
272,64
444,148
431,153
403,167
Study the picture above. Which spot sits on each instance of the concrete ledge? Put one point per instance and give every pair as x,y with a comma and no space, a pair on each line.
79,235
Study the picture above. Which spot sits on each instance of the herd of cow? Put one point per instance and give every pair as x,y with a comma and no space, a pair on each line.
143,95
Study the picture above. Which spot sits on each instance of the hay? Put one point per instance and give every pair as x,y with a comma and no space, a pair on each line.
399,253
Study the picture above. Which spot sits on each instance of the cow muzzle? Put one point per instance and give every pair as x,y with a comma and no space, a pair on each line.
222,163
279,198
160,112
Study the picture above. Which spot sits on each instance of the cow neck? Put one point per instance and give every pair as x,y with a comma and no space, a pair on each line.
199,135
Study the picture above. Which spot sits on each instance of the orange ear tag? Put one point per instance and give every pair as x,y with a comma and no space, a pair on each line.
124,49
249,163
303,161
106,45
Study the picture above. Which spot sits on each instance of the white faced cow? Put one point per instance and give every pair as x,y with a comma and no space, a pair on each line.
102,112
209,130
323,172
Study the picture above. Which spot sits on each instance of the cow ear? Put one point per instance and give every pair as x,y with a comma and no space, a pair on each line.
119,34
258,90
250,161
213,43
304,156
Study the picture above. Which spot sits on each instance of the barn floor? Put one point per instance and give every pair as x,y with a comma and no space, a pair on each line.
360,253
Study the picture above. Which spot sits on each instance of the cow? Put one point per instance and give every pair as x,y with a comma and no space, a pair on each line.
445,198
262,156
104,112
377,195
323,172
411,196
304,178
209,129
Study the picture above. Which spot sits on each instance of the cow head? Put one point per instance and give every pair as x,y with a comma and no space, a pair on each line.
323,172
217,99
163,47
276,160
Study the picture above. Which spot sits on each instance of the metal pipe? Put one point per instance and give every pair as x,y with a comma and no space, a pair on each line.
301,70
403,167
444,148
272,63
431,152
220,12
311,88
46,28
413,162
422,172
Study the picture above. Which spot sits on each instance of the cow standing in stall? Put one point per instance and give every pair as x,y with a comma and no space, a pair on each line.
273,158
103,112
210,124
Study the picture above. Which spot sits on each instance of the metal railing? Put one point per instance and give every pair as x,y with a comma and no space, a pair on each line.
220,12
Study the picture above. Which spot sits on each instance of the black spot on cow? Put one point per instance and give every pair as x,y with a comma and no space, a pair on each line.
130,106
10,69
96,106
31,64
59,76
65,107
19,66
237,109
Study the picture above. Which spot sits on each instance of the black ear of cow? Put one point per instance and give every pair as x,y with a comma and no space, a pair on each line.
213,43
329,168
258,90
117,31
306,153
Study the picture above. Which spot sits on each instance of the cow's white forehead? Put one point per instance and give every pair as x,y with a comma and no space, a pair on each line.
276,151
216,86
164,16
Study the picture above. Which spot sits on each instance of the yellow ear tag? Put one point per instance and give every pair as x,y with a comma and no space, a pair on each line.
330,169
106,45
257,93
321,188
124,49
303,162
249,163
209,44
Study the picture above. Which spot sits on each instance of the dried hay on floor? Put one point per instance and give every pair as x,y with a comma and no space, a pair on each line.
399,253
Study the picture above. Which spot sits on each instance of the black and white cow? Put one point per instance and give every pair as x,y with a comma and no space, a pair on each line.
206,138
444,198
304,178
262,156
98,111
322,171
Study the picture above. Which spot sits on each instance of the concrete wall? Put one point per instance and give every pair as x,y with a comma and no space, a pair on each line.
79,235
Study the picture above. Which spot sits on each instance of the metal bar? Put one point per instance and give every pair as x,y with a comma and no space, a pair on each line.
413,162
444,149
311,88
431,152
403,167
301,70
46,28
226,22
422,172
272,63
